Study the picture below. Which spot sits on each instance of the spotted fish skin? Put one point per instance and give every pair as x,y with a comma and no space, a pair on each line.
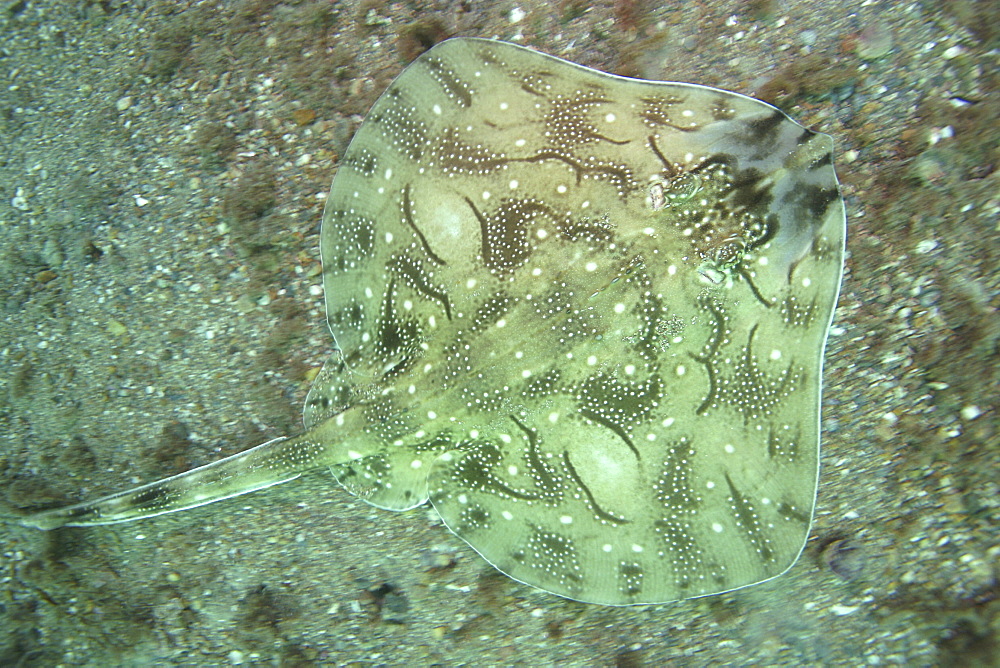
584,316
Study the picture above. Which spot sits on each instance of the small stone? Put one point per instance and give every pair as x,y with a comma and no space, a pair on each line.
875,41
373,19
952,52
437,560
303,116
971,412
51,253
45,276
844,557
123,103
516,15
930,167
937,134
116,328
841,610
20,201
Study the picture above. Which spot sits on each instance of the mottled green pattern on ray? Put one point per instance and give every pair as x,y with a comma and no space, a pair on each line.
583,315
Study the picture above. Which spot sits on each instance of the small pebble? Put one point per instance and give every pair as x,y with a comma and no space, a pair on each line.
971,412
841,610
20,201
116,328
123,103
875,41
844,557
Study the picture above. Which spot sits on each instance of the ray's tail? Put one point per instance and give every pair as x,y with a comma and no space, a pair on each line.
271,463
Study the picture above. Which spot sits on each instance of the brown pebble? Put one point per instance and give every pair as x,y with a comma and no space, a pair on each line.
304,116
844,557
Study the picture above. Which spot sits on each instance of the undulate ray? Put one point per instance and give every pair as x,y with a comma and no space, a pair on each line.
583,315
